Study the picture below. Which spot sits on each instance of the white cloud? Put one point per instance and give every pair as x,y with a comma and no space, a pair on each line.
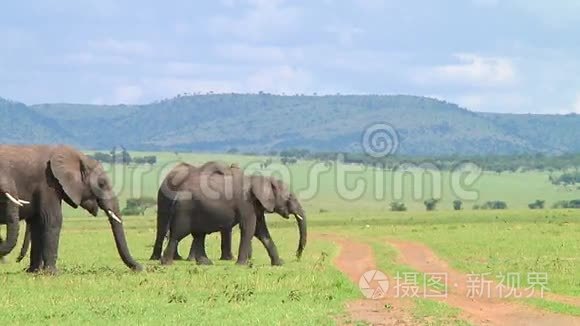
87,58
471,102
371,4
472,70
485,3
259,54
576,105
563,13
264,18
280,79
121,47
345,35
184,68
128,94
493,101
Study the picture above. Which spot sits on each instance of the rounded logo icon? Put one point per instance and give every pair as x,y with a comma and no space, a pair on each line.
380,140
374,284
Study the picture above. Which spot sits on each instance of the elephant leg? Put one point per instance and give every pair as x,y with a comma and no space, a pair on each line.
160,237
171,249
3,259
263,235
36,235
226,245
200,254
50,240
247,230
192,249
162,229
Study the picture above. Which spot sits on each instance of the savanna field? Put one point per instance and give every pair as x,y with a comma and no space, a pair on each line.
94,286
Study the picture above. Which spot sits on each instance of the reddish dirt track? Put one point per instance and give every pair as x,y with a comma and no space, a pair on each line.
356,258
490,308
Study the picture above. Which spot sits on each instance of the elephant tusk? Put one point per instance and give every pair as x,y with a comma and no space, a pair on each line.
14,200
115,217
299,217
24,202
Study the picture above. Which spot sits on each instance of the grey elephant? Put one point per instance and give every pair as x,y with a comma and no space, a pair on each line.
167,194
35,180
208,201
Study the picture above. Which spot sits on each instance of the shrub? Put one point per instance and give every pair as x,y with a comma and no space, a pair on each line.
398,206
476,207
494,204
575,203
567,179
138,206
457,204
538,204
431,204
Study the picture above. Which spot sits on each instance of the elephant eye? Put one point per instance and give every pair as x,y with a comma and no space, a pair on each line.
102,183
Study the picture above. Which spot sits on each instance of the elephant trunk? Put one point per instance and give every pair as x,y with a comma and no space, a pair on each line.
25,244
301,220
121,242
12,228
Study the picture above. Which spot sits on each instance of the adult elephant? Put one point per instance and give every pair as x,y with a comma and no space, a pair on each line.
167,194
34,180
207,202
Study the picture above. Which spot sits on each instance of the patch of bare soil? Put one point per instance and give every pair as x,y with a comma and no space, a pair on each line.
484,304
354,260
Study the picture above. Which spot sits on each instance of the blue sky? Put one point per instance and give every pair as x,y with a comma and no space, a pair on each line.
486,55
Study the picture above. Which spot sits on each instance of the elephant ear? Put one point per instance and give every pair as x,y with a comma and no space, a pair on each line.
262,188
281,190
67,167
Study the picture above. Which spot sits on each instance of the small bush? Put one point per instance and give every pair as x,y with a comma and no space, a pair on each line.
476,207
398,206
457,205
431,204
138,206
494,204
538,204
575,203
566,179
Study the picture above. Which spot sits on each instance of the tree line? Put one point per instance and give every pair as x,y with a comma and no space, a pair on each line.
495,163
123,157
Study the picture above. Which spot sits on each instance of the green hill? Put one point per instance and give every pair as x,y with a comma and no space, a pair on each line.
262,122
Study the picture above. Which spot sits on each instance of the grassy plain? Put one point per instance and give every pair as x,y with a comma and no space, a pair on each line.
95,287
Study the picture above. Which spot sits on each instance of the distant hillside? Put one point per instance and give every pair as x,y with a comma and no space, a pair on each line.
263,122
21,124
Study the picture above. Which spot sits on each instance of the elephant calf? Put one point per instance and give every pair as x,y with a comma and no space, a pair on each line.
207,200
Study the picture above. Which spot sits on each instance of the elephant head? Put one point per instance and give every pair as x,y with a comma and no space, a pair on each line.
84,183
274,197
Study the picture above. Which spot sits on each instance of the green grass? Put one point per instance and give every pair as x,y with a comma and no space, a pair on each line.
561,308
329,189
94,286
